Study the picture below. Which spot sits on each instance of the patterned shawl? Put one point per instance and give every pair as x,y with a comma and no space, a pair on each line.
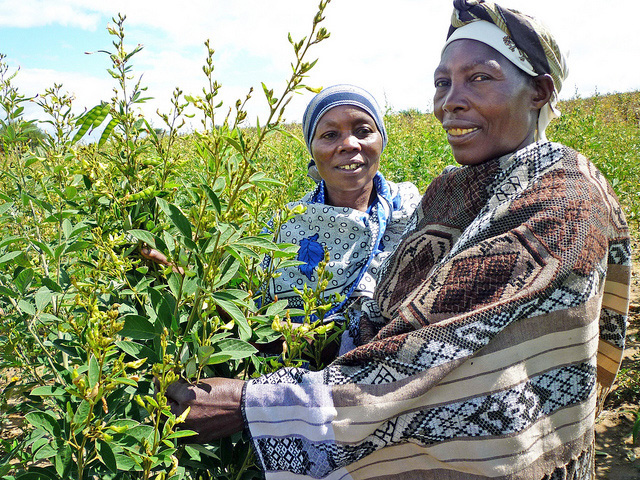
357,242
496,319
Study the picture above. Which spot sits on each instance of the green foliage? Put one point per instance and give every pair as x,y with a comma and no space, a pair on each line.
606,129
97,330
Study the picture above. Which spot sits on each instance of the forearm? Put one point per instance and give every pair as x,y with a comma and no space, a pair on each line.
215,407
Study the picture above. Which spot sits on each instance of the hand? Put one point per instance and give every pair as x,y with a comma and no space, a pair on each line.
215,407
154,255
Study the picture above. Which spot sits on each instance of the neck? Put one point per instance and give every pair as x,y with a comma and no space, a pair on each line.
358,200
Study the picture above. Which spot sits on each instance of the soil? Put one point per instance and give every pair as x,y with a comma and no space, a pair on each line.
617,458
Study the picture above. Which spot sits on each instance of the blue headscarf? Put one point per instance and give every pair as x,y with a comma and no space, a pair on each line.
340,95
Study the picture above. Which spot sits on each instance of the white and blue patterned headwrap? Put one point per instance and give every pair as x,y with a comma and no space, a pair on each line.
340,95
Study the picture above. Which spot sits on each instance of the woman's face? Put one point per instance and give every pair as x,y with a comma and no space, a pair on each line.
486,105
346,147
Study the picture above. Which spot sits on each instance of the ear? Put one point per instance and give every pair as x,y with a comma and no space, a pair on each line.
543,89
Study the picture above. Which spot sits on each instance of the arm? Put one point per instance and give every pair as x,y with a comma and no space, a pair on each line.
215,407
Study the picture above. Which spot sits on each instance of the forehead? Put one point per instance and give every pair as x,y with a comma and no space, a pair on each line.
465,53
345,113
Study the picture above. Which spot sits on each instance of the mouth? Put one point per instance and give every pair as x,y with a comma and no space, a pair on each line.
349,167
458,132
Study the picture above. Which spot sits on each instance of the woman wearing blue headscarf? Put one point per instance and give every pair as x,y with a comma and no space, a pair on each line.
353,213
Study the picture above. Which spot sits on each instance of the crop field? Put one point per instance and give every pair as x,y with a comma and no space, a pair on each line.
88,321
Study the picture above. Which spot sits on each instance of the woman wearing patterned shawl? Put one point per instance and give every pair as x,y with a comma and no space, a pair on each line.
499,321
353,213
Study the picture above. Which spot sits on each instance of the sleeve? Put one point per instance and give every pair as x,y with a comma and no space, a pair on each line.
476,356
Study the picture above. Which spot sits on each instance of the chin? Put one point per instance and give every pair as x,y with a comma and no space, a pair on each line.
469,159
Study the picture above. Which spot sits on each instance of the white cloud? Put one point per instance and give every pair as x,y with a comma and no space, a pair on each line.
390,48
37,13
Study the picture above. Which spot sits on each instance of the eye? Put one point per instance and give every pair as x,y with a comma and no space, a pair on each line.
441,82
328,135
479,77
364,131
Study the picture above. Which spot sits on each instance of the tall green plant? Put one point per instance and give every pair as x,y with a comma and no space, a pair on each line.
112,329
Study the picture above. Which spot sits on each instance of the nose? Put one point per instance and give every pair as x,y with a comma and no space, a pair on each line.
454,99
349,142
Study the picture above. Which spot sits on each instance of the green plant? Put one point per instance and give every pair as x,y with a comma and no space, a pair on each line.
108,330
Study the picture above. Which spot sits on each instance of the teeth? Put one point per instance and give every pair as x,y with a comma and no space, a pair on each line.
351,166
460,131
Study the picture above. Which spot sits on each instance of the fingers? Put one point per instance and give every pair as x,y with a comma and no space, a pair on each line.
155,256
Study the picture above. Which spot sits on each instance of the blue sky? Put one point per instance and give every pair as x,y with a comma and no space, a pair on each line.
389,47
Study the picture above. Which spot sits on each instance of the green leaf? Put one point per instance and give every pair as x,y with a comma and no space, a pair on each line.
144,236
233,294
137,350
237,349
81,415
244,330
27,307
181,434
51,285
277,307
137,328
201,449
126,381
67,228
125,463
174,282
48,391
7,257
70,347
234,143
94,371
8,240
176,216
142,432
5,207
213,197
37,473
217,358
260,179
191,367
240,251
63,459
43,448
70,192
162,309
219,184
259,242
106,455
43,298
77,246
44,421
228,270
6,291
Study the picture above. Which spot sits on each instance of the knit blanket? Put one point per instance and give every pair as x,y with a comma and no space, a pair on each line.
496,323
357,243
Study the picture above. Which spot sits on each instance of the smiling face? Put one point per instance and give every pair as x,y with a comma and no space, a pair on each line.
346,147
485,103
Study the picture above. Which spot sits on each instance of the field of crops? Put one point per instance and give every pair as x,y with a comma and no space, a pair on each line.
87,321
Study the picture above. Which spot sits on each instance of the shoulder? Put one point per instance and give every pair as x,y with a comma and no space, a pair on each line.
405,190
404,196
